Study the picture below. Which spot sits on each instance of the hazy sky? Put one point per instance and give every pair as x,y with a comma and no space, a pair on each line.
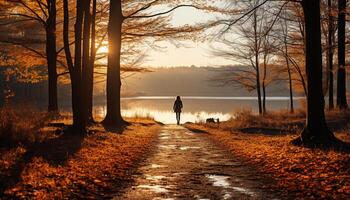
195,53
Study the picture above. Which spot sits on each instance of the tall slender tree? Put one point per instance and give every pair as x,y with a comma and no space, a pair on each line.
257,46
75,68
116,18
87,68
285,31
90,72
341,76
134,24
44,12
250,47
330,55
316,131
51,55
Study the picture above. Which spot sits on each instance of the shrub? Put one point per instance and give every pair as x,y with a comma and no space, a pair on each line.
20,125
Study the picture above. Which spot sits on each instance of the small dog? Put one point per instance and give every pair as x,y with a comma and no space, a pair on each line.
212,120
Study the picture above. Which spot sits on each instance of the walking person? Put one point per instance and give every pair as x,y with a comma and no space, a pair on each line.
177,108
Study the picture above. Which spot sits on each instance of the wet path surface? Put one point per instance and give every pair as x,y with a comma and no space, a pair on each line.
188,165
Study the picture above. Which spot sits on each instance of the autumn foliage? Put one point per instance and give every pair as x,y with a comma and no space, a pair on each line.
73,166
300,173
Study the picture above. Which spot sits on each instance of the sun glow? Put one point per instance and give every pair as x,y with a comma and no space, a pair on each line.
103,49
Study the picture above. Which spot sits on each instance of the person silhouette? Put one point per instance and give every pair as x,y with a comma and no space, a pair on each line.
177,108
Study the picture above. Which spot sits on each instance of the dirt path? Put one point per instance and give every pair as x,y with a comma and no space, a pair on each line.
188,165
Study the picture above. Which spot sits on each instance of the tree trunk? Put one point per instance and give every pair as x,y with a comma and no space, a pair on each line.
264,97
302,79
113,116
86,67
264,83
78,88
341,79
75,69
330,56
289,75
51,56
290,87
2,87
258,87
257,50
69,60
316,131
90,86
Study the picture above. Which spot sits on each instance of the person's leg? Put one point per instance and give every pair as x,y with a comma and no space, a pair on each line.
178,118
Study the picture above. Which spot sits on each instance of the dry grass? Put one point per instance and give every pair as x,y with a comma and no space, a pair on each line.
143,117
20,125
66,166
279,122
300,173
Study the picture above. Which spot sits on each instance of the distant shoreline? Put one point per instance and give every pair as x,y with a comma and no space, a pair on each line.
272,98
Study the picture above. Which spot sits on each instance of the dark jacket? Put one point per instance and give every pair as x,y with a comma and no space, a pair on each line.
177,106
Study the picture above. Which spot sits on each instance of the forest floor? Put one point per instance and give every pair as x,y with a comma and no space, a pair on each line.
301,173
249,157
68,166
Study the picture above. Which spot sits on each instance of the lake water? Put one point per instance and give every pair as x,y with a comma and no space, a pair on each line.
196,109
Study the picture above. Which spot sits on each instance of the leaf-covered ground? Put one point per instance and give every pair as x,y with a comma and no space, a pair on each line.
70,166
301,173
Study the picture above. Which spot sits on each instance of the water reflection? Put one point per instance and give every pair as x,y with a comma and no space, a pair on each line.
196,109
166,117
222,181
154,188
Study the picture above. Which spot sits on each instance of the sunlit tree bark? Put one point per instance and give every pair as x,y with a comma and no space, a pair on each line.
113,115
87,68
90,75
